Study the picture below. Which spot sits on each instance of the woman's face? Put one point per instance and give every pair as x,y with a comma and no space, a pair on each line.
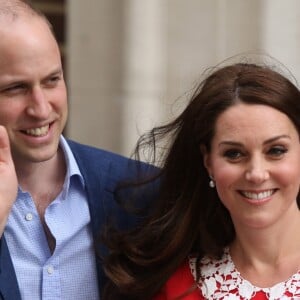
255,162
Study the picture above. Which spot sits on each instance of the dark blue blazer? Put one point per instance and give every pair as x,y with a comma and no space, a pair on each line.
102,172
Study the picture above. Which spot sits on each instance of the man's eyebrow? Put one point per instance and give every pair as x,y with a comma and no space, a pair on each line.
56,71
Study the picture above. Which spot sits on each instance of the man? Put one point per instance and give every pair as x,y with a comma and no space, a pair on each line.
65,190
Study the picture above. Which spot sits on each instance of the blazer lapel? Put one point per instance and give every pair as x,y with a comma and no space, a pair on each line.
9,289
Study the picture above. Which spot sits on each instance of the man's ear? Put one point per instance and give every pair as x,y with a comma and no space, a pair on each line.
206,158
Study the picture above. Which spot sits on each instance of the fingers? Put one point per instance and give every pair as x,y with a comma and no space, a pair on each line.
8,179
5,154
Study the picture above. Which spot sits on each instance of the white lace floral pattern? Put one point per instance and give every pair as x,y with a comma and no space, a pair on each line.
221,281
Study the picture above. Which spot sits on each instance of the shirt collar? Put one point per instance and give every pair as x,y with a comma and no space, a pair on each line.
71,165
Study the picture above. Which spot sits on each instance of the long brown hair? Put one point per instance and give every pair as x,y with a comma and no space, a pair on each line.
188,216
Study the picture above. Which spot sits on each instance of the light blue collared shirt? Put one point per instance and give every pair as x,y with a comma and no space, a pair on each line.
70,272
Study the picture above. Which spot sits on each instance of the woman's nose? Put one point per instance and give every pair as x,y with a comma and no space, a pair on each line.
257,171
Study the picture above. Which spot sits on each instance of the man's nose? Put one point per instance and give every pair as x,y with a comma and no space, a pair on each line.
38,104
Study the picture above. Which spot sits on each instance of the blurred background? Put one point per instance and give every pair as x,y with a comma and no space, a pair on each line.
133,64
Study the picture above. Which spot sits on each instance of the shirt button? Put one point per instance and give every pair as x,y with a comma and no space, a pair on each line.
28,217
50,270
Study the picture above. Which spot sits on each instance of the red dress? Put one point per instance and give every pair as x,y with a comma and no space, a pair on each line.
181,281
220,280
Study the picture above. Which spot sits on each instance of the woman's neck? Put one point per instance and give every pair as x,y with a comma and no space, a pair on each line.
270,255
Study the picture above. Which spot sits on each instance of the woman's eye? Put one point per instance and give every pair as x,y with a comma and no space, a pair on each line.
233,154
277,151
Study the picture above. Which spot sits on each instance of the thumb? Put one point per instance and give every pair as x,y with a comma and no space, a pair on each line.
8,179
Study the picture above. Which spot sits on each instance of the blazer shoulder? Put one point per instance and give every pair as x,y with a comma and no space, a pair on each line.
94,152
96,158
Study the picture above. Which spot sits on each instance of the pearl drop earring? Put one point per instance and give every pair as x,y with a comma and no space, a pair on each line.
212,183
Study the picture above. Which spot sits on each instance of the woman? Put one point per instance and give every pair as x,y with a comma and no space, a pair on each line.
227,222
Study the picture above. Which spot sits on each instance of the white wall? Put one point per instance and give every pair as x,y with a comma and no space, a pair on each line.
131,60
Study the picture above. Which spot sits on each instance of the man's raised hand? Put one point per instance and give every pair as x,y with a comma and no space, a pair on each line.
8,179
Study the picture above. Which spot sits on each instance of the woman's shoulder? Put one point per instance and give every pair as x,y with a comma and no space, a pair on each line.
181,283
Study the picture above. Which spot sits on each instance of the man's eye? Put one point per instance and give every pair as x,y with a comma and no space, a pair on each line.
53,80
233,154
13,89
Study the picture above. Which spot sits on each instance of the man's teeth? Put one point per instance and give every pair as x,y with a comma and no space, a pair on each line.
38,131
258,196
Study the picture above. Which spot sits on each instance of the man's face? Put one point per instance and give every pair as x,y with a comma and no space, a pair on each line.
33,98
